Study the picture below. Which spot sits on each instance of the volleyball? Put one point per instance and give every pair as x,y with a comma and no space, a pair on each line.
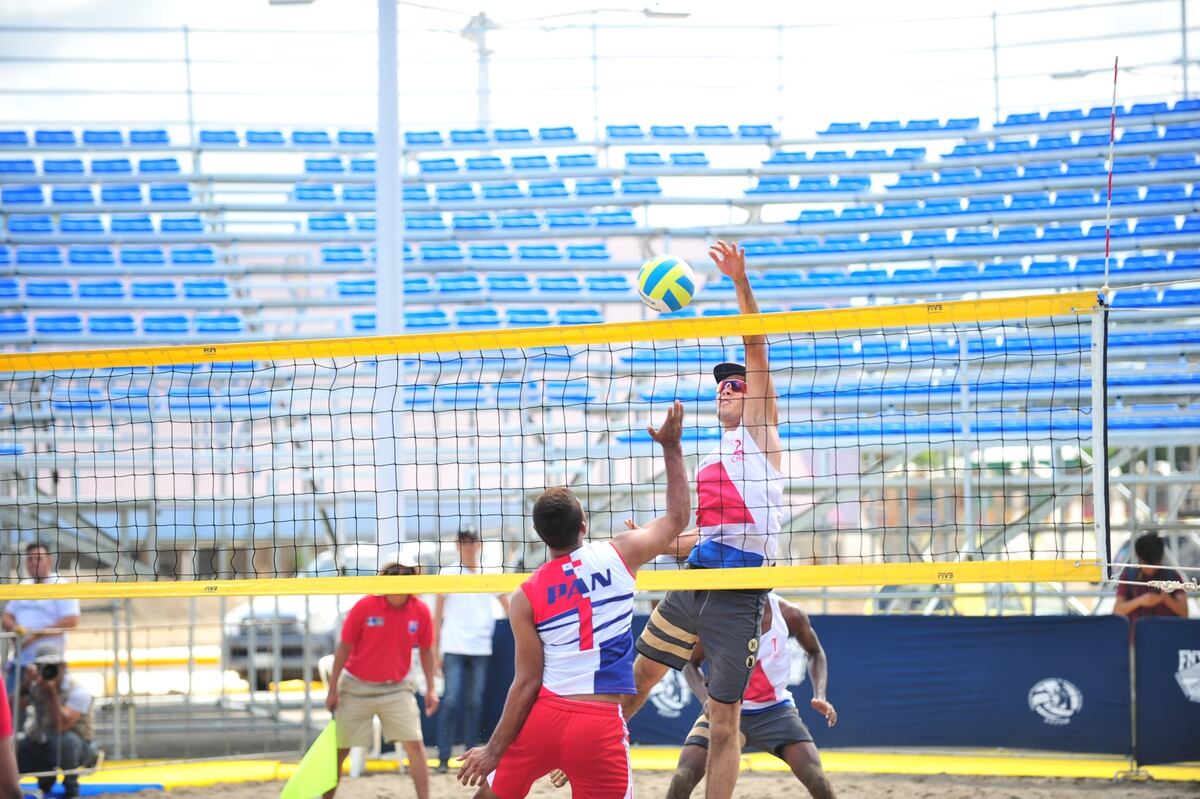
666,283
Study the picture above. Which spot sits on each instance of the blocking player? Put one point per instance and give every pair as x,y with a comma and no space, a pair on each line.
770,720
574,649
739,491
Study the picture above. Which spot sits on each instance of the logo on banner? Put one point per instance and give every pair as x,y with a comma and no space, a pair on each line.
671,695
1188,674
1056,700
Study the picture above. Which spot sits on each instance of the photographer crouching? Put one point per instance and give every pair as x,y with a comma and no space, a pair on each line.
60,736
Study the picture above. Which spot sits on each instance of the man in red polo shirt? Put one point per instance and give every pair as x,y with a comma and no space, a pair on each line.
371,675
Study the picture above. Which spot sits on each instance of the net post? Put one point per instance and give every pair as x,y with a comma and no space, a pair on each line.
1099,375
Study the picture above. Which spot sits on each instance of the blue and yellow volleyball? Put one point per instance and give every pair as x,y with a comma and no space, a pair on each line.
666,283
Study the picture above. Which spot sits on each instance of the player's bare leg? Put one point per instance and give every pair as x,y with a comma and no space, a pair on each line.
341,759
805,762
688,771
724,749
646,675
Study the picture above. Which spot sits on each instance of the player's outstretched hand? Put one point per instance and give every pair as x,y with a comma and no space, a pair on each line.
826,709
558,778
672,427
729,258
477,764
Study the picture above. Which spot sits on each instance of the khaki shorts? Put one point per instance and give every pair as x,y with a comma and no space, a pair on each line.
359,702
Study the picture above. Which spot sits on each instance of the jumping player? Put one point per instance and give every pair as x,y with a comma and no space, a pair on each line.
739,490
574,649
770,720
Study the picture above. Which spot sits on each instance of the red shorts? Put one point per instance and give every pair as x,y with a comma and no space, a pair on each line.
587,740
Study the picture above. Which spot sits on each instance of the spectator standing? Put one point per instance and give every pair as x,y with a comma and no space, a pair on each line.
370,675
60,737
1135,599
39,620
463,626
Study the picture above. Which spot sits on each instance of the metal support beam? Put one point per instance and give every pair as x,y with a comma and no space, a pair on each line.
389,244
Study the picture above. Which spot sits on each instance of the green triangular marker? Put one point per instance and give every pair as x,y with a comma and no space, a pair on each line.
317,771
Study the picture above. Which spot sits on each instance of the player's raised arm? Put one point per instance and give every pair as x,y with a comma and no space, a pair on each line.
645,543
801,629
761,410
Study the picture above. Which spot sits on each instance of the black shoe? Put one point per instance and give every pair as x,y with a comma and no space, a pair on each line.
443,767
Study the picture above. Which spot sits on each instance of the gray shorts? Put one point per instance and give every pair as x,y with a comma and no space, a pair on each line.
769,730
727,625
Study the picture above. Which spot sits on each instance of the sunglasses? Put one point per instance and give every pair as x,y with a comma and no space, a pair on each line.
737,386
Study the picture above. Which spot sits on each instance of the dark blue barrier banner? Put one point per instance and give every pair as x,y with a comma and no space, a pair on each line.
1168,690
1053,683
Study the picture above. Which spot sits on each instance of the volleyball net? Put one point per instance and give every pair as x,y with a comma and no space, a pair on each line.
924,443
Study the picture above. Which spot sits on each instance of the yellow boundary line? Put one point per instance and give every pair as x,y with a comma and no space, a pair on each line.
875,317
1014,764
836,575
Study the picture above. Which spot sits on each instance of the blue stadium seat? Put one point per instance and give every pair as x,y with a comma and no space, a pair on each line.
557,134
1154,226
26,224
112,325
539,252
862,212
1144,109
324,165
473,222
520,220
220,137
37,255
576,161
631,159
14,325
972,238
912,180
364,223
1180,296
1016,234
328,223
490,253
22,195
998,174
437,165
1053,142
356,138
424,221
885,241
1074,198
771,184
459,285
1187,130
830,155
1011,146
14,138
921,125
928,238
54,137
1126,195
1135,298
476,318
1089,167
362,322
869,155
1092,140
816,215
893,210
112,166
18,166
9,289
559,284
1186,105
1130,136
469,136
668,132
343,254
417,285
223,324
103,138
520,162
1127,164
455,192
1169,161
957,272
949,206
622,218
1119,228
413,194
63,195
206,289
58,325
547,188
588,252
315,192
1166,194
154,290
1001,271
609,284
1064,115
264,138
640,186
602,187
952,176
162,166
567,219
70,223
579,316
509,283
443,252
1062,232
502,191
1091,266
62,166
90,255
131,223
362,166
884,126
813,184
426,321
142,256
423,137
528,317
624,132
170,193
1049,268
182,224
787,157
149,136
713,132
101,289
486,163
1020,119
49,289
1027,200
1041,171
1143,263
512,135
121,193
202,255
1104,112
361,288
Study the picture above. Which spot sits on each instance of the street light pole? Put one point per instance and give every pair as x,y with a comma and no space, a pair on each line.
389,244
477,31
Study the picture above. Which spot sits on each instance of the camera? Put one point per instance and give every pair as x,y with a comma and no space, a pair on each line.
49,671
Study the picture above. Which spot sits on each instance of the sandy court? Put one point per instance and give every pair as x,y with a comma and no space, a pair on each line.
650,785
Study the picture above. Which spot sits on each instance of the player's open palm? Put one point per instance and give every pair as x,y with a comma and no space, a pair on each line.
826,709
671,429
729,258
477,764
